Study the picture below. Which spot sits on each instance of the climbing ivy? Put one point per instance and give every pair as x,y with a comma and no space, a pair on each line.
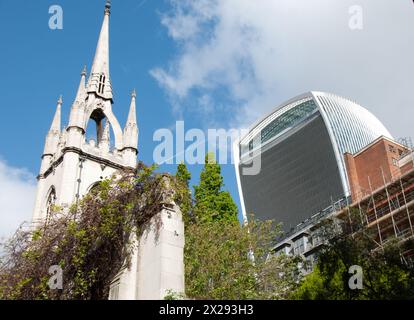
91,242
183,178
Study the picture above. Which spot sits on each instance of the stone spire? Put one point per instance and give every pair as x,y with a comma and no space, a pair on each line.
105,142
99,81
53,136
56,123
62,139
131,128
80,95
77,113
132,116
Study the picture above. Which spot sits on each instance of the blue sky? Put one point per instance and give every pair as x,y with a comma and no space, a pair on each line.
213,64
38,64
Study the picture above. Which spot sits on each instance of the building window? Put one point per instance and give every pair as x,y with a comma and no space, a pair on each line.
51,201
310,262
288,120
101,88
251,145
395,162
392,149
299,246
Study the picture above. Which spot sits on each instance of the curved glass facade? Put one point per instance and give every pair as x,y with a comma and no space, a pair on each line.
288,120
353,126
299,176
301,146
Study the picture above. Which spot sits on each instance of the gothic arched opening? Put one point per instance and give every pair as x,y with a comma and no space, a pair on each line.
94,187
50,203
98,131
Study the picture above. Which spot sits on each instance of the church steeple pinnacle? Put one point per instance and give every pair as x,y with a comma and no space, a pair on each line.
56,123
105,141
131,128
80,95
108,7
53,136
84,71
132,116
77,113
99,81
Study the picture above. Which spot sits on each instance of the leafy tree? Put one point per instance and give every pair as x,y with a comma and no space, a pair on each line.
211,203
183,174
229,261
183,177
385,275
91,242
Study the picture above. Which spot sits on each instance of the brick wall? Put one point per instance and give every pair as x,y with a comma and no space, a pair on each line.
370,167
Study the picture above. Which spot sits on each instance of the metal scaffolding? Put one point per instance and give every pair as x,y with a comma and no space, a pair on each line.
389,210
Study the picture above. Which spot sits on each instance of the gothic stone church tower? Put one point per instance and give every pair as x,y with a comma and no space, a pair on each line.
72,165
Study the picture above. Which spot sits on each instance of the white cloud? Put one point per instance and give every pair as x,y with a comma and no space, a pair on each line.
17,196
253,55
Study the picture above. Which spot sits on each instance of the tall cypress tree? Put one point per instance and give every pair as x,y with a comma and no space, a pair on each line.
183,178
183,175
211,202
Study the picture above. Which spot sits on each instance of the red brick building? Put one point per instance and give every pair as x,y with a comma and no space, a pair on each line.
373,166
381,177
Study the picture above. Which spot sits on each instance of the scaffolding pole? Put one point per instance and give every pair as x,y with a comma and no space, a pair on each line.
389,204
361,214
406,207
412,156
375,211
349,217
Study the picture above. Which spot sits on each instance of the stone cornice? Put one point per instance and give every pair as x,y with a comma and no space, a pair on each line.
86,156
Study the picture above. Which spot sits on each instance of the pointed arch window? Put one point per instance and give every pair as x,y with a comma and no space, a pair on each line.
101,86
51,201
94,187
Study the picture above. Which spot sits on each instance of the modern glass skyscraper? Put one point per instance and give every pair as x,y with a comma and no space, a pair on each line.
300,147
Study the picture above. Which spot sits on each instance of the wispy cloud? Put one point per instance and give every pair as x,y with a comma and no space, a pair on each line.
17,196
241,58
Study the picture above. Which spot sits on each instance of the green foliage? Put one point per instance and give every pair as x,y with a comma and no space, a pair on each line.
227,261
385,275
183,174
91,241
183,195
172,295
211,203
